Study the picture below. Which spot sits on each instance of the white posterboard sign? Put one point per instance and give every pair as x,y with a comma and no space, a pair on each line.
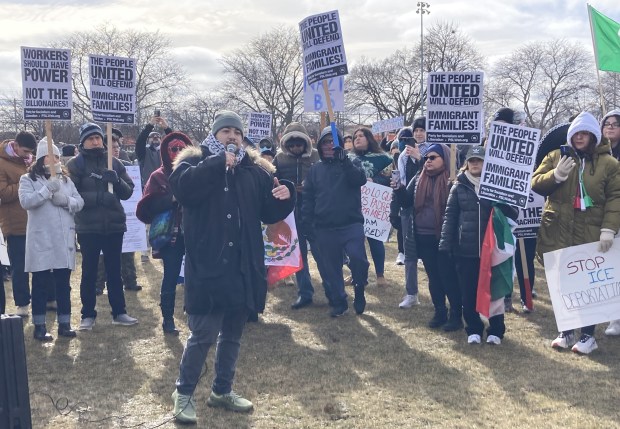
46,83
259,126
455,112
388,125
376,201
112,89
584,285
509,163
323,48
4,254
314,95
528,221
134,239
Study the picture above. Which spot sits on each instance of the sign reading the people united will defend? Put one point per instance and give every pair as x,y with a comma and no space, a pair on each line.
134,240
112,89
323,48
388,125
314,96
46,83
509,163
584,284
529,217
454,107
376,201
259,126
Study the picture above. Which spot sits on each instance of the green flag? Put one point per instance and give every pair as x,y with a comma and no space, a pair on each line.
606,39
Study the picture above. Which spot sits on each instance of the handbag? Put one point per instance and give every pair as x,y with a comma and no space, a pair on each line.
162,229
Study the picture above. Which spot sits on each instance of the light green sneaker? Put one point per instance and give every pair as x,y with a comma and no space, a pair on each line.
184,407
231,401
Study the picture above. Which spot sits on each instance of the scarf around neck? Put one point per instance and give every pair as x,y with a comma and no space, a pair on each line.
215,147
474,181
10,150
433,189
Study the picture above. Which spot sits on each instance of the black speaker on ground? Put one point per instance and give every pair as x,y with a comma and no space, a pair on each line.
14,392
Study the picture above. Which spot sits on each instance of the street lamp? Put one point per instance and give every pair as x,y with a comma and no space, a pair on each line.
422,9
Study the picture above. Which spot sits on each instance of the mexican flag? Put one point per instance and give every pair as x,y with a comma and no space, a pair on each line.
282,253
606,40
496,265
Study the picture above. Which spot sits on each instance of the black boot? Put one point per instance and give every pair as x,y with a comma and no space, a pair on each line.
40,333
169,327
64,330
439,319
455,321
359,302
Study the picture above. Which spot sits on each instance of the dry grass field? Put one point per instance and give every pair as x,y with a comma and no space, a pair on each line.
302,369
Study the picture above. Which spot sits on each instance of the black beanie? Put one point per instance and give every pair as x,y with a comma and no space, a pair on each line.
419,123
27,140
505,114
68,150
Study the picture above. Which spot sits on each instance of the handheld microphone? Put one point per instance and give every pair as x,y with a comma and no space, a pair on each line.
232,149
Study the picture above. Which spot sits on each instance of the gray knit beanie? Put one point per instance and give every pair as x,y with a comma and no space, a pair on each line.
226,118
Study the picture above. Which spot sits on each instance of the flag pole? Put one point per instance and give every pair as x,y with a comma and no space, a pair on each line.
598,73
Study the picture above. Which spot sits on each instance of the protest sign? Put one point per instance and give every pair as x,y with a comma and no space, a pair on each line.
259,126
112,89
314,96
509,163
529,217
388,125
376,201
584,284
46,83
4,254
323,48
454,107
134,240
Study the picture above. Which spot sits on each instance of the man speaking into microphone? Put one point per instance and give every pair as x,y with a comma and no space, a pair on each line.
226,190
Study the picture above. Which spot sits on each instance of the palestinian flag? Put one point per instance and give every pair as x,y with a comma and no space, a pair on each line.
496,265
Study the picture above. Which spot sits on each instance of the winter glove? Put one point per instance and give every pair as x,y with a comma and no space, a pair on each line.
59,199
53,185
606,240
339,154
561,172
109,176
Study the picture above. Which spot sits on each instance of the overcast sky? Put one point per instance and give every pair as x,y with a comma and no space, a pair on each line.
202,30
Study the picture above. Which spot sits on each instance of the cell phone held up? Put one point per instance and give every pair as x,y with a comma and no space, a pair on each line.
157,113
565,150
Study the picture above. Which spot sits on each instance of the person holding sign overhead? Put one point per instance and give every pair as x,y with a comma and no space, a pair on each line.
581,182
101,223
50,237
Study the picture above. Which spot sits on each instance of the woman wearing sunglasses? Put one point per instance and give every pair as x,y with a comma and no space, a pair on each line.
158,199
428,193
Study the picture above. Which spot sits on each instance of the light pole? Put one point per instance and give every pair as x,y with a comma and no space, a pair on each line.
422,9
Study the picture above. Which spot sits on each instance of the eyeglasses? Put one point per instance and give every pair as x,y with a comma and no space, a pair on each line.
612,125
431,158
176,149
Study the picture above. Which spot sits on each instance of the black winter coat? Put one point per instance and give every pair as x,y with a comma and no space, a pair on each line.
102,212
332,195
295,169
466,218
222,226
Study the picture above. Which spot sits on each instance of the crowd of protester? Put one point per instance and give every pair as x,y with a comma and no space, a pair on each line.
206,202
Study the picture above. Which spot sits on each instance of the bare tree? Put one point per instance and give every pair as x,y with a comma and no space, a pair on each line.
158,76
610,83
195,115
266,75
447,48
544,77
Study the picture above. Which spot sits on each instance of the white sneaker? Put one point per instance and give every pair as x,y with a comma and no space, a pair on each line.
493,339
563,341
87,324
409,301
586,345
400,259
474,339
613,328
22,311
124,320
526,309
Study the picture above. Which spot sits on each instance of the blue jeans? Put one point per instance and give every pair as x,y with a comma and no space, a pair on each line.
377,251
16,248
172,257
225,326
304,283
332,244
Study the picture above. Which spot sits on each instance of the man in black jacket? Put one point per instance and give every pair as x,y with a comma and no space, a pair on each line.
226,190
100,225
332,214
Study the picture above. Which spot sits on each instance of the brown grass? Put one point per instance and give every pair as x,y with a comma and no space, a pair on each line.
302,369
